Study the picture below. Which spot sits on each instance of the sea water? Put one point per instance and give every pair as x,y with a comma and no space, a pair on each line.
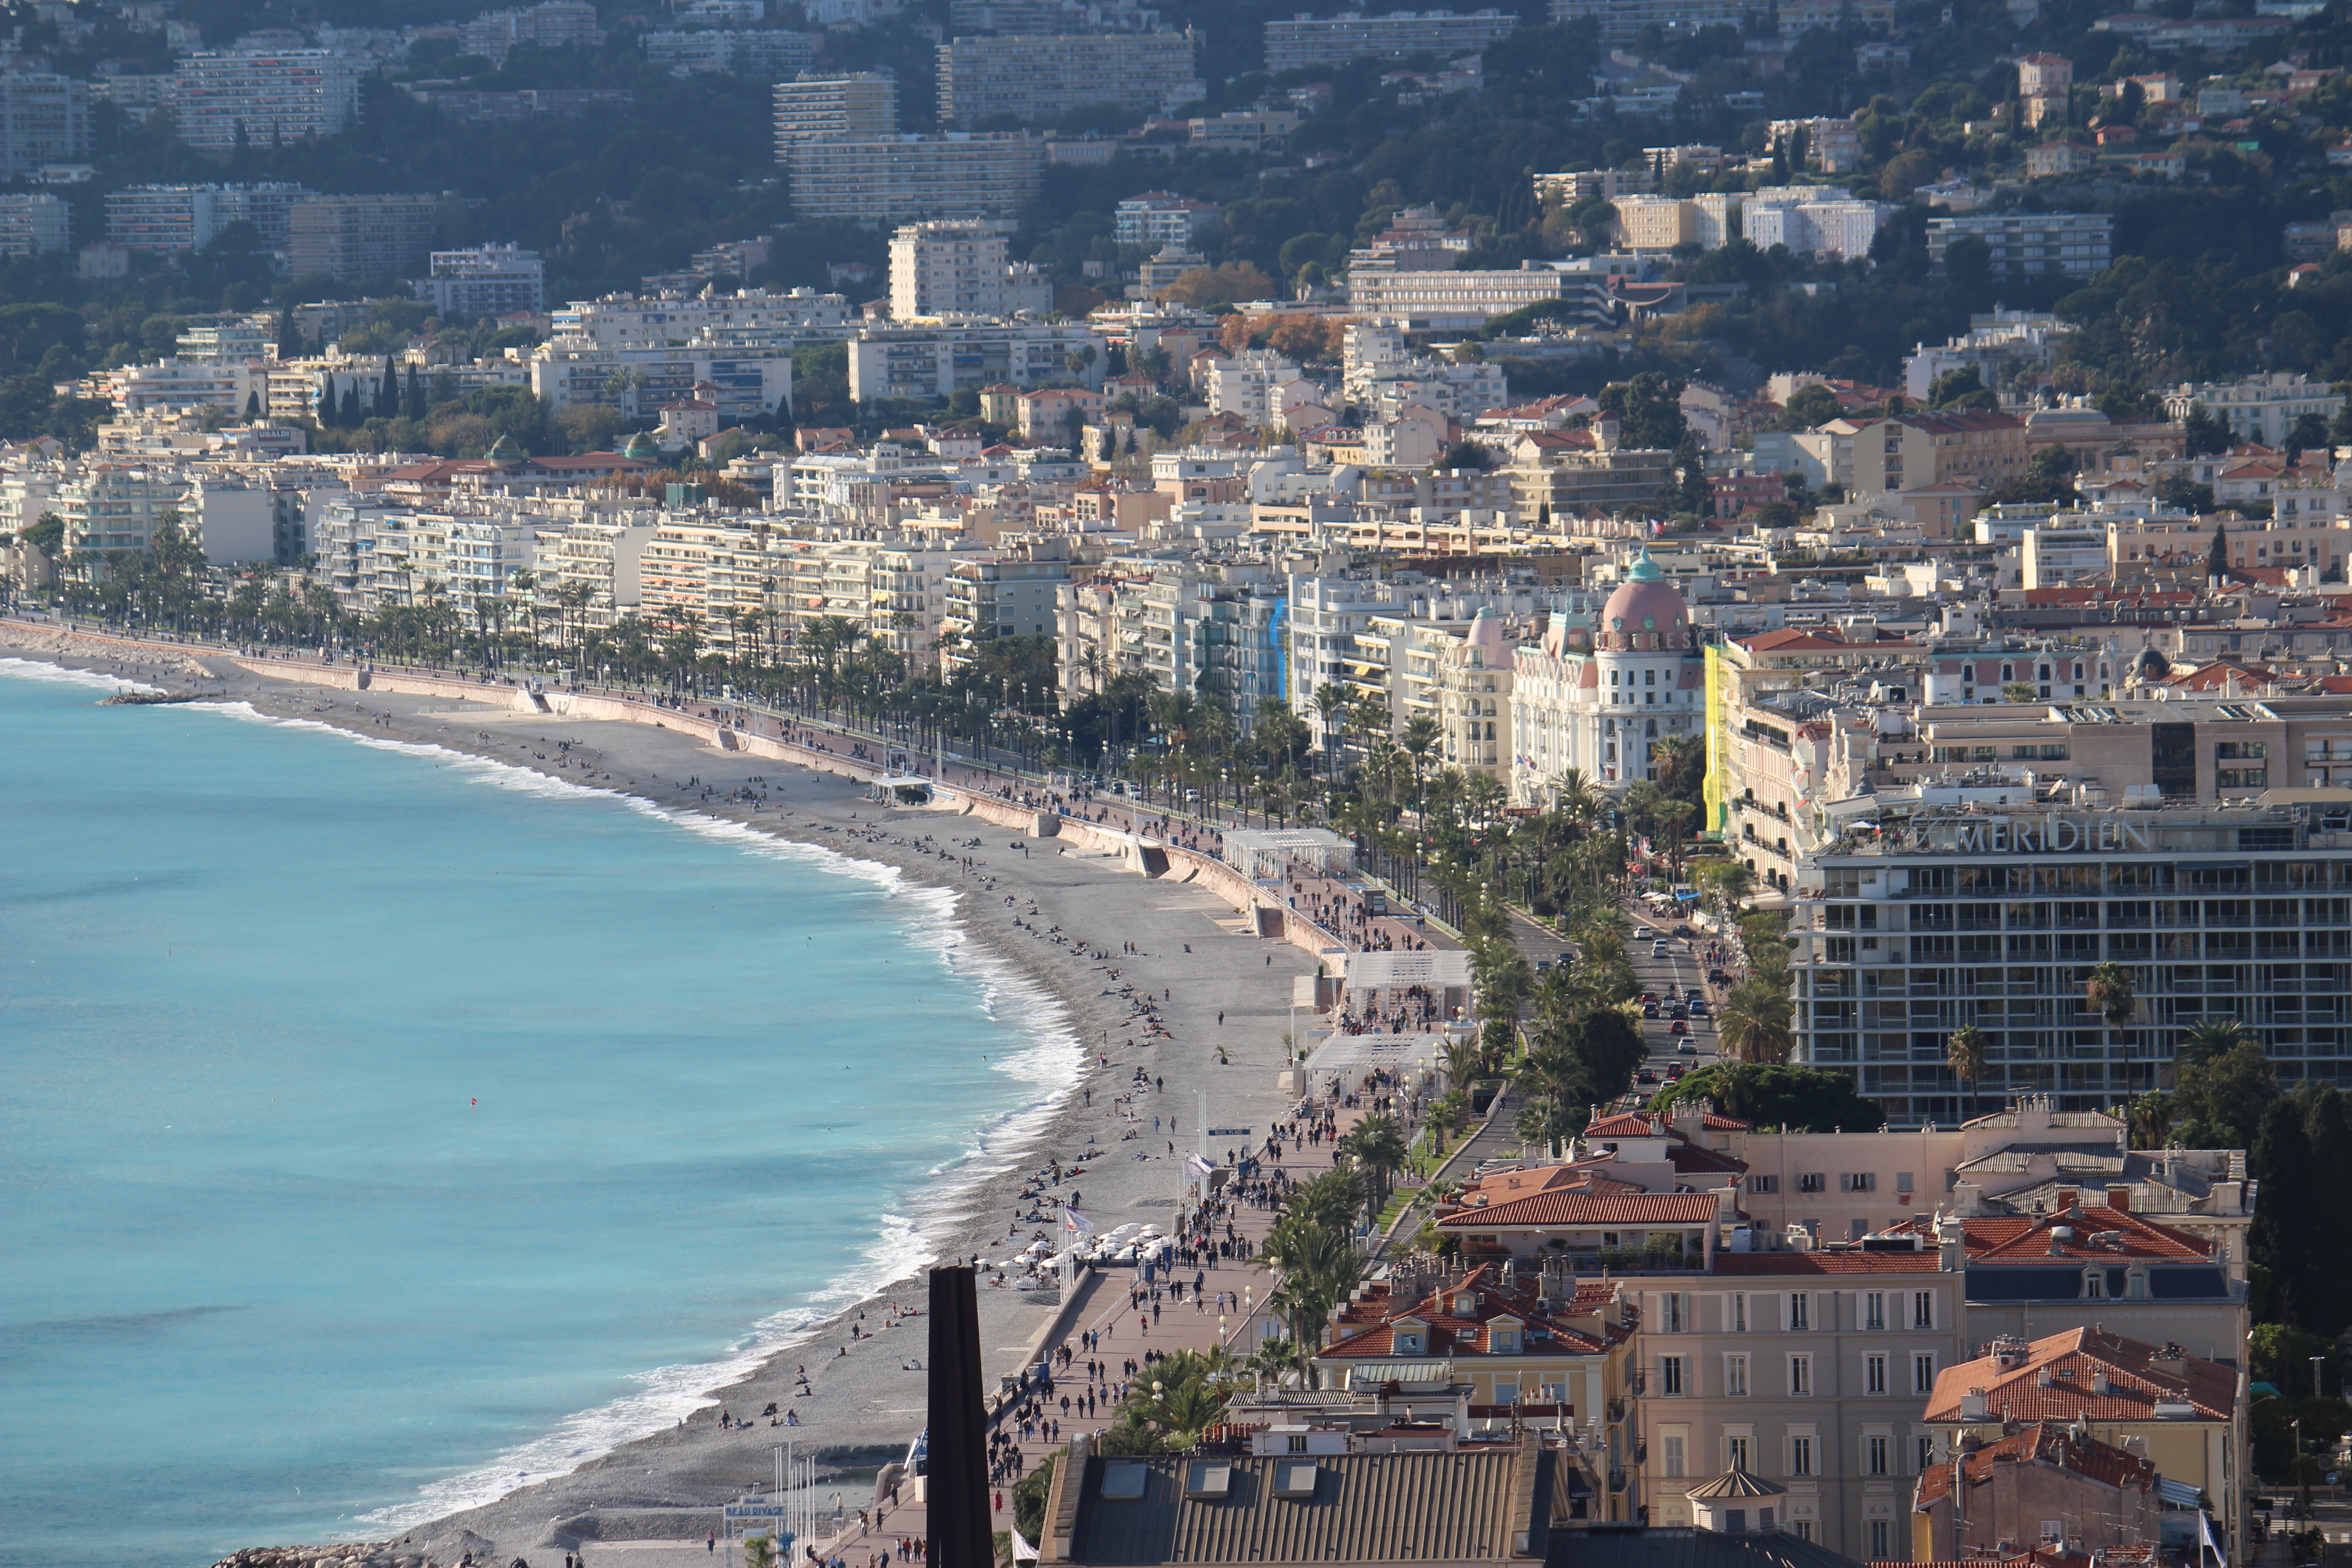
383,1128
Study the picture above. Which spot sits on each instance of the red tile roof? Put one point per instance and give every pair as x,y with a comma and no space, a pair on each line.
2099,1234
1803,1263
1576,1209
1650,1124
1367,1327
2043,1443
2057,1379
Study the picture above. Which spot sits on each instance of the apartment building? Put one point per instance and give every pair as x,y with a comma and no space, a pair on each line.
172,218
1159,219
899,179
44,118
1551,490
551,24
2178,1415
264,98
1810,1368
744,317
1844,229
1000,596
961,269
1906,451
1824,145
856,104
761,53
1299,41
1427,301
1041,77
934,361
1657,222
30,225
1622,21
115,506
1573,188
487,280
2229,911
1476,708
2079,244
602,556
2262,410
362,237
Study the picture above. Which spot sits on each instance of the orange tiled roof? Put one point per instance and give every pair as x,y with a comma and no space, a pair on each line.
2099,1235
1453,1333
1578,1208
2046,1442
2057,1379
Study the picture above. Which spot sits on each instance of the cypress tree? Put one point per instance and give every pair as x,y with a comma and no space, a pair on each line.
353,415
387,395
253,405
2217,559
416,396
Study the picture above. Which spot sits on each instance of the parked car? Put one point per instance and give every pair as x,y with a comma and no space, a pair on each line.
1715,977
1686,934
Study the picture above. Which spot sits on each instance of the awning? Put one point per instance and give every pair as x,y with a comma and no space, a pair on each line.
1379,1372
2178,1494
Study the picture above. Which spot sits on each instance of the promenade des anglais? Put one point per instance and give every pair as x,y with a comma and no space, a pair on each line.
939,784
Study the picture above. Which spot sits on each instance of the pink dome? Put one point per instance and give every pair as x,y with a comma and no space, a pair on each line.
1645,612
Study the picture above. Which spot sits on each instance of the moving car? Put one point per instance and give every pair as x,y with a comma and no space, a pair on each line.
1645,1076
1686,1049
1678,1027
1649,1009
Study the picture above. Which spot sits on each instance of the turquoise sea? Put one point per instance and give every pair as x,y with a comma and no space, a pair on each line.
381,1129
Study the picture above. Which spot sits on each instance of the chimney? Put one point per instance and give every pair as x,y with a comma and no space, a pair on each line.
2119,1199
2068,1198
957,1470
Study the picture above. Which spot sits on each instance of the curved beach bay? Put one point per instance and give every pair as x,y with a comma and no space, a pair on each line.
385,1129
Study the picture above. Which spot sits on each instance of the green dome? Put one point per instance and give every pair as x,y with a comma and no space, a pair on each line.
1643,569
641,446
502,450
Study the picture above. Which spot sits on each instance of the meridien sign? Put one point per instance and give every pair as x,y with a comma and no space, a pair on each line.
2054,835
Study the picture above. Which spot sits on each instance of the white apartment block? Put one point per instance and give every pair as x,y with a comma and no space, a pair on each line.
115,506
960,269
487,280
1623,20
266,97
606,556
931,361
1839,229
640,379
1245,383
360,236
2076,244
44,118
757,52
183,387
1158,219
1657,222
1305,41
30,225
553,24
171,218
860,103
899,179
1831,146
747,315
2262,410
1034,78
1467,298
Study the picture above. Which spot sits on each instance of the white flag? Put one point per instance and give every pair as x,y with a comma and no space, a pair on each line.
1197,1168
1074,1221
1022,1550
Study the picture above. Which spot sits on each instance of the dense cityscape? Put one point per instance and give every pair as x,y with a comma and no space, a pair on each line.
1751,604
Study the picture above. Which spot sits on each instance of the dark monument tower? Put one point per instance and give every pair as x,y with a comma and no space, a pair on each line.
956,1469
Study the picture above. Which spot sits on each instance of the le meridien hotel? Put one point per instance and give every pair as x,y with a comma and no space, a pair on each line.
1936,912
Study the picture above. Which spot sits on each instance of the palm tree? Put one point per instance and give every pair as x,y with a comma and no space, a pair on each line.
1755,1023
2210,1038
1330,702
2110,994
1966,1054
1378,1147
1421,733
2150,1119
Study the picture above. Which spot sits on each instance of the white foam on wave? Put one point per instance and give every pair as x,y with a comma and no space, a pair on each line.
59,675
1046,1064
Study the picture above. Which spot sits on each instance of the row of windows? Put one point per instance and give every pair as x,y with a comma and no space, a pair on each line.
1678,1375
1880,1310
1802,1455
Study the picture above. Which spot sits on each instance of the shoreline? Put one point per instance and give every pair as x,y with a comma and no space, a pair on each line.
1073,885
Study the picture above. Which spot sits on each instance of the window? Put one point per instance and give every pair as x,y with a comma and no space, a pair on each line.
2094,1283
1923,1452
1923,1309
1734,1520
1671,1318
1670,1374
1763,1184
1804,1529
1674,1450
1800,1455
1874,1374
2242,778
1858,1182
1507,1394
1735,1453
1811,1183
1903,1181
2240,751
1877,1451
1735,1375
1922,1372
1801,1312
1739,1311
1878,1540
1873,1309
1800,1374
1299,1442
